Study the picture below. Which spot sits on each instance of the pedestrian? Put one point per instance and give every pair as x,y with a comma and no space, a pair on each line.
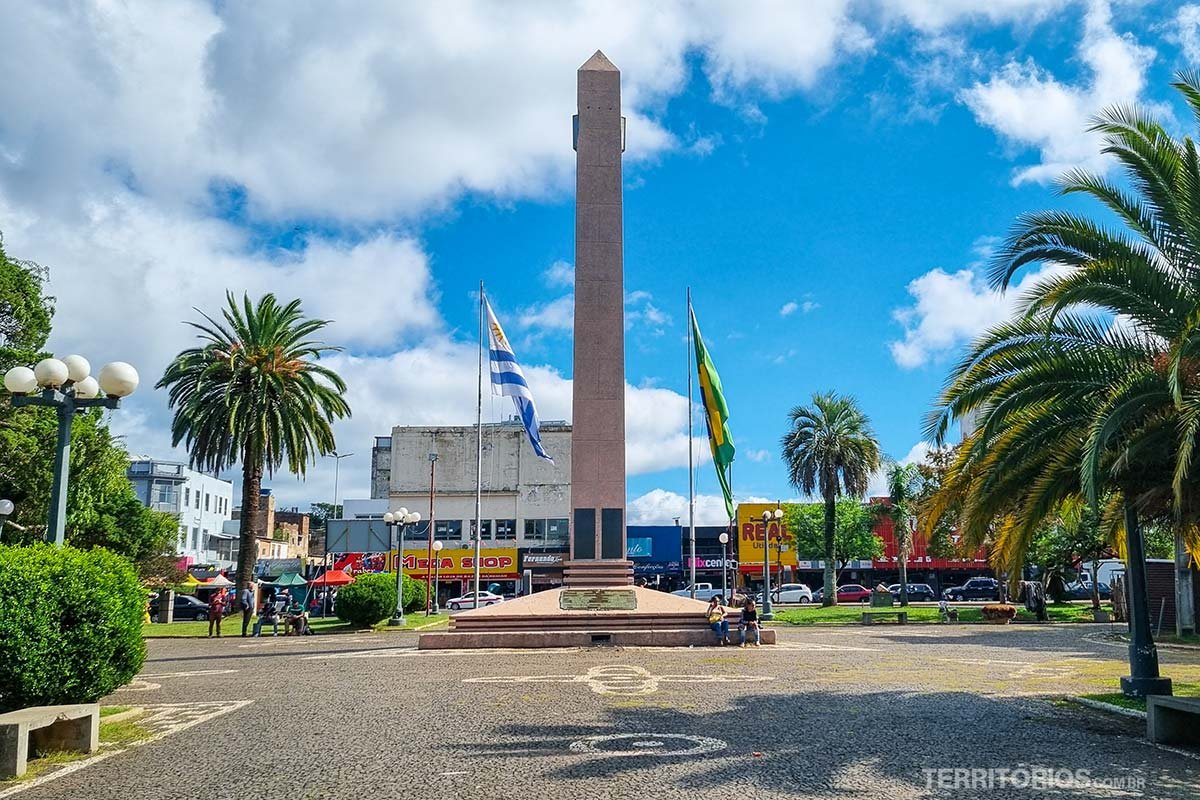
749,622
269,615
216,610
716,620
247,602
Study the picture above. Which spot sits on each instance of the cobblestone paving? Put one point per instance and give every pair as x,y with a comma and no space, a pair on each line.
841,712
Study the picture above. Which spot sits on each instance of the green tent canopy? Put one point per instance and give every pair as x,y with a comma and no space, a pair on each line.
289,579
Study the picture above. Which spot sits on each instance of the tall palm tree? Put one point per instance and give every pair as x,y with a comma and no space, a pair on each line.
253,393
904,489
1094,389
830,448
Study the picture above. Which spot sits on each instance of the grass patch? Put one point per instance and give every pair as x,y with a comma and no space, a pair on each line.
112,734
1180,689
232,627
852,614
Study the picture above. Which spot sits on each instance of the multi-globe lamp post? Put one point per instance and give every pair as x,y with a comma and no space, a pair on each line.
768,517
67,386
437,562
724,540
397,521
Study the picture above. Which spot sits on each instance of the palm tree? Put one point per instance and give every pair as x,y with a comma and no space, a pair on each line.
253,393
904,489
1094,389
831,449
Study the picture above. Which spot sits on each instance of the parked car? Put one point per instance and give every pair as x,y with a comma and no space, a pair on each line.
704,591
917,592
847,593
467,601
186,607
974,589
1083,591
791,593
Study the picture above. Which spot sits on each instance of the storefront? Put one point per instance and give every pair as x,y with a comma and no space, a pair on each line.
545,567
752,536
454,569
656,556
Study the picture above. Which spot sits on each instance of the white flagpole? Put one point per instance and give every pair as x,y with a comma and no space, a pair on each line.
479,455
691,467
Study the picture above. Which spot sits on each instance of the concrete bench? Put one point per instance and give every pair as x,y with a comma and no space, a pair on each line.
1173,720
868,617
46,728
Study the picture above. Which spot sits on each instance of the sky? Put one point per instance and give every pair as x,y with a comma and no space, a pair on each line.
829,178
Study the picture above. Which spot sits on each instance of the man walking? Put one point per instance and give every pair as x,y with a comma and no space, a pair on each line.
247,600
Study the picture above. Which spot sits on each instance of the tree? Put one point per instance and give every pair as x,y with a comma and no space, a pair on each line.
253,393
1071,536
904,490
1093,390
25,312
938,529
831,449
853,540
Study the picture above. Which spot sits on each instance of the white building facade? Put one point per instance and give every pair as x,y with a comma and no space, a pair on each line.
201,502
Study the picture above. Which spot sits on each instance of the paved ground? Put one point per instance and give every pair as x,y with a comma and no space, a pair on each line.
842,712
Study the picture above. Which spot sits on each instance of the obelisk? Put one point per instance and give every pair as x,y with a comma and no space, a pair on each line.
598,396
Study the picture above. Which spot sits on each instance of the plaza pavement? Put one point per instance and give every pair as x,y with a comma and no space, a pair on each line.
830,712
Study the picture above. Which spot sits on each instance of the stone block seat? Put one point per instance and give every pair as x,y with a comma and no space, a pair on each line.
1173,720
537,620
46,728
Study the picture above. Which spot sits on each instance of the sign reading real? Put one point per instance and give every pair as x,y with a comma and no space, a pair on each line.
752,533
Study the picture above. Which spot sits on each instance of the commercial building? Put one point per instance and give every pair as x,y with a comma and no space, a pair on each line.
201,502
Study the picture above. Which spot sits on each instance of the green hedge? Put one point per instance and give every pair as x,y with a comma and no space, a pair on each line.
414,595
370,599
70,625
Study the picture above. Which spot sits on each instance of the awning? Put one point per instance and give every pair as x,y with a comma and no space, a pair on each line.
218,581
334,577
289,579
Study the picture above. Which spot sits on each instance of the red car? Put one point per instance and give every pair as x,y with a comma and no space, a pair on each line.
853,593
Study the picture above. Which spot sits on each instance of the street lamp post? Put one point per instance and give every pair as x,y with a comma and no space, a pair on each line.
767,518
328,559
437,562
724,539
397,521
67,387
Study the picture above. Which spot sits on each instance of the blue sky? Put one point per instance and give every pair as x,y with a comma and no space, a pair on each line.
827,177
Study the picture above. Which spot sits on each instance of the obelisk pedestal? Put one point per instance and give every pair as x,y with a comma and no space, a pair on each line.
598,399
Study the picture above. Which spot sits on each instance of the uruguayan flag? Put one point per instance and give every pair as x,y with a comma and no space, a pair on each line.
507,379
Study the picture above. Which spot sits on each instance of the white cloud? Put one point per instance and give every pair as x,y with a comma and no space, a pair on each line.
556,315
935,15
560,273
1028,107
661,507
758,456
809,306
1187,32
788,308
953,308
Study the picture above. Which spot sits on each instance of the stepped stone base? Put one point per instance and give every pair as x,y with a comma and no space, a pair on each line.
598,574
538,620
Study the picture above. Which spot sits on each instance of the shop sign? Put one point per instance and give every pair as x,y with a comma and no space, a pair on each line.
494,562
658,568
752,533
597,600
542,560
710,563
641,547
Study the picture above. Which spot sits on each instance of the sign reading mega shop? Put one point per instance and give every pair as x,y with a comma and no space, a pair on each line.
494,562
752,533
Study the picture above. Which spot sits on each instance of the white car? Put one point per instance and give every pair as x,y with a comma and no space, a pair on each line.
467,601
792,593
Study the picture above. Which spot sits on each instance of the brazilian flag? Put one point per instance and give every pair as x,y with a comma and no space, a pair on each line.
716,414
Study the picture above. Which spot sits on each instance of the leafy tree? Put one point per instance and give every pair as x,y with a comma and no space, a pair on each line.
904,490
253,393
319,514
938,529
25,312
830,449
854,537
1073,535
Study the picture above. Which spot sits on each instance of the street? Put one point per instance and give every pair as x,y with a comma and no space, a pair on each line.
843,711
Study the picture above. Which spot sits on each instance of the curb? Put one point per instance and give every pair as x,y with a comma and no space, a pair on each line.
1109,707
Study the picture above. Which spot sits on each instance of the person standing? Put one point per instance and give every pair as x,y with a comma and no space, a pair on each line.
247,602
216,610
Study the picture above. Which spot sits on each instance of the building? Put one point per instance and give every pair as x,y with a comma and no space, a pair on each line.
381,467
280,534
201,502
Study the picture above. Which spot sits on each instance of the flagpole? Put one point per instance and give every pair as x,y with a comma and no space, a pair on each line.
691,466
479,456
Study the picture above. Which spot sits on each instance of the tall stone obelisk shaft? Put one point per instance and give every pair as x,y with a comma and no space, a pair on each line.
598,401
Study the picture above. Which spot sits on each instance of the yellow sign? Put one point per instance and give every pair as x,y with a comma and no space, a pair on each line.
751,532
494,562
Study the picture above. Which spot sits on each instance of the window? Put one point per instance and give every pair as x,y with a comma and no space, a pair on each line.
140,466
165,493
535,530
197,496
506,529
448,529
556,530
485,525
206,499
195,538
187,496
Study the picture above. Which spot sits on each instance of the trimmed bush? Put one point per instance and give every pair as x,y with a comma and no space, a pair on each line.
414,595
367,601
70,625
